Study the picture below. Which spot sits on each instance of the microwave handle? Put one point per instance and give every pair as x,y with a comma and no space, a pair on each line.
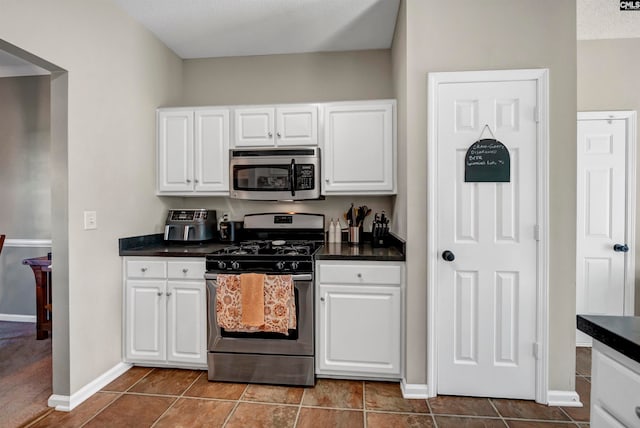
292,177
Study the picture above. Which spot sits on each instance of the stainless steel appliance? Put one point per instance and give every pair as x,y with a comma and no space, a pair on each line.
190,225
231,231
275,174
278,243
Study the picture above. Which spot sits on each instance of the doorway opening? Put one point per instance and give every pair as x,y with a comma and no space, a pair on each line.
15,58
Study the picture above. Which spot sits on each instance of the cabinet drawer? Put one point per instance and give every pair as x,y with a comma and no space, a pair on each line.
146,269
186,270
379,273
617,390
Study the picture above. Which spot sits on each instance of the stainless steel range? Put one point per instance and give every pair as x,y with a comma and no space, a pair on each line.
277,244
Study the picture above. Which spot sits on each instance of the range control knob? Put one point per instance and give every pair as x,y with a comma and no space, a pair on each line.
294,265
235,265
280,265
221,264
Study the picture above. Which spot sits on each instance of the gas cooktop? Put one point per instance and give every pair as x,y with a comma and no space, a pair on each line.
296,238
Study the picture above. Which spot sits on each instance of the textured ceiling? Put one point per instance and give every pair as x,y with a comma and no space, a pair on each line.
603,19
217,28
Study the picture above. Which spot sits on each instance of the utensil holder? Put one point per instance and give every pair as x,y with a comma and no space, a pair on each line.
354,235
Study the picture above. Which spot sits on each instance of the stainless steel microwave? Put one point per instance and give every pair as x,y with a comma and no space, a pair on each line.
275,174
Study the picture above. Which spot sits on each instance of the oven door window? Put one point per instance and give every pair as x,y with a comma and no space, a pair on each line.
269,178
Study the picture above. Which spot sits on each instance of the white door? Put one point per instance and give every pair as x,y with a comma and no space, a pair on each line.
297,126
601,224
186,321
486,296
146,320
212,150
175,150
254,127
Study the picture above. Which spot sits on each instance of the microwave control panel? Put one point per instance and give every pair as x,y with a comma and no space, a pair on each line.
305,177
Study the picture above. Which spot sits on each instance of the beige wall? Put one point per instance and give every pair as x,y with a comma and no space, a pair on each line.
608,73
399,77
272,79
488,35
118,73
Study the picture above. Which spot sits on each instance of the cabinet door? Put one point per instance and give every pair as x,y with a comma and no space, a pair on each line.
359,330
145,320
254,127
212,151
297,126
186,322
175,151
359,149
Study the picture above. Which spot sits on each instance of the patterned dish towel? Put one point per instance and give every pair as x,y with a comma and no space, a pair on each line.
279,305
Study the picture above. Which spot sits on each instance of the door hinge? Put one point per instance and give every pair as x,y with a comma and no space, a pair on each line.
536,114
536,350
536,232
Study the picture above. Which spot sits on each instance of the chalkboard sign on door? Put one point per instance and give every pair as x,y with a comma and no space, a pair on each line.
487,160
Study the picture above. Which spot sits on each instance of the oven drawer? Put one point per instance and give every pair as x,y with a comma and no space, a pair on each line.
360,273
186,270
146,269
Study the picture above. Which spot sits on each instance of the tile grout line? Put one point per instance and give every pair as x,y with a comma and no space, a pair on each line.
41,417
119,395
433,417
226,420
498,412
177,398
304,391
365,411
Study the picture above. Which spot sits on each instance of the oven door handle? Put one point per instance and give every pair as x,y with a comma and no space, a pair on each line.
292,177
295,277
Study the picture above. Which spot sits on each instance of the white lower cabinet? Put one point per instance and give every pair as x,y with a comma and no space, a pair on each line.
359,319
615,388
165,312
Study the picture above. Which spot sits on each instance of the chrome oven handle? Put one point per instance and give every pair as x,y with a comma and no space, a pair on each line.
295,277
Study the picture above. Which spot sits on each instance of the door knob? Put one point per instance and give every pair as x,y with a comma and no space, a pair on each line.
620,248
448,256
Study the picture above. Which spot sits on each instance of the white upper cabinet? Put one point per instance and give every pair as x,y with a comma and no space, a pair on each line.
175,151
212,151
295,125
359,148
193,152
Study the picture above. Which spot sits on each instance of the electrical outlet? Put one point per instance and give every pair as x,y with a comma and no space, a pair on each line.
90,220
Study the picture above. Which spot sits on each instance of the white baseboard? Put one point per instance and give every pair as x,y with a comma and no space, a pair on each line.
18,318
66,403
414,390
563,398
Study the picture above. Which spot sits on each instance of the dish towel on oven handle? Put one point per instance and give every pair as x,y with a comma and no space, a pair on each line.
252,299
279,304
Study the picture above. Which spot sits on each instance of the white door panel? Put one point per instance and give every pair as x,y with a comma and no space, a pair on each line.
486,325
601,218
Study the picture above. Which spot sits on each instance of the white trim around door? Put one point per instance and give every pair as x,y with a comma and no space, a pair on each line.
541,77
630,118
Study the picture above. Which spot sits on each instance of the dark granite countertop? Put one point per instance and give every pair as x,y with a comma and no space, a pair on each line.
395,252
155,246
617,332
362,252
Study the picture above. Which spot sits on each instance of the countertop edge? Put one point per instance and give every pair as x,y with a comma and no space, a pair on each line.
611,338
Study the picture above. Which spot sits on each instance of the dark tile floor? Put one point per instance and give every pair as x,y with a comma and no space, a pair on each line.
145,397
